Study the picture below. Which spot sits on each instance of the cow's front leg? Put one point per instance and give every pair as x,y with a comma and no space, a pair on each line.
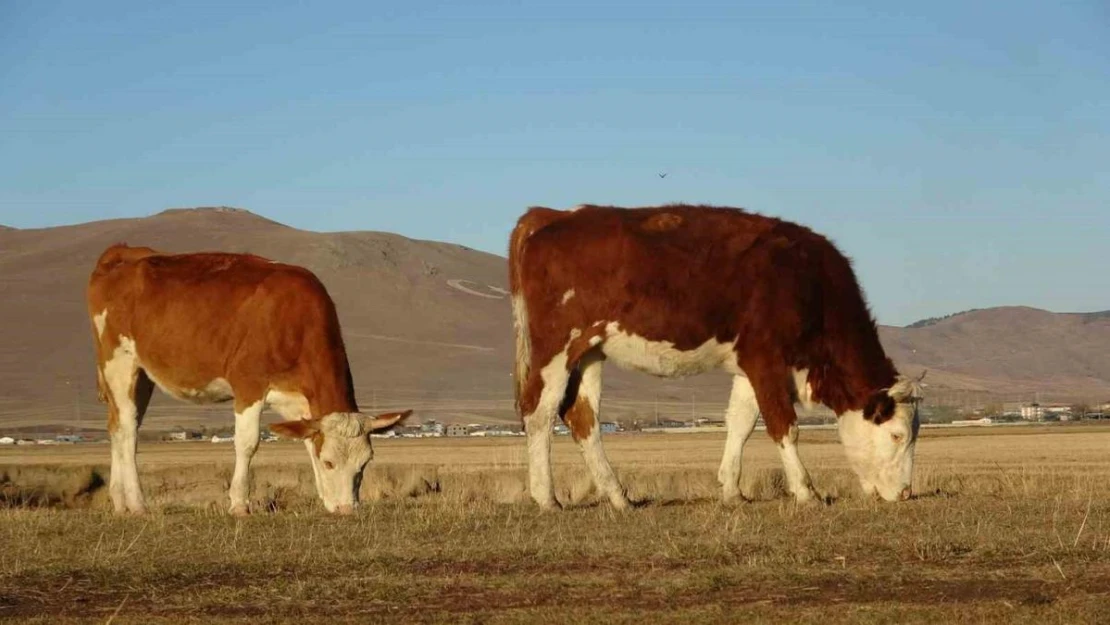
247,420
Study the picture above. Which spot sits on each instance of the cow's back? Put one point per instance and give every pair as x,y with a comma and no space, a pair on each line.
199,296
686,275
653,267
200,321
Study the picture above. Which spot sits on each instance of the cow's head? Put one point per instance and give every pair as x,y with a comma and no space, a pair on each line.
880,439
340,452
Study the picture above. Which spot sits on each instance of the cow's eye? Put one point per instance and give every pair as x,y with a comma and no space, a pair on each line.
329,465
897,438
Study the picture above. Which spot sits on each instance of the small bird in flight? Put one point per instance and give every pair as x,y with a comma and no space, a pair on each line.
662,175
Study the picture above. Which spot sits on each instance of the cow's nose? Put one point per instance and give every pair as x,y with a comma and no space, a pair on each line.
905,494
344,509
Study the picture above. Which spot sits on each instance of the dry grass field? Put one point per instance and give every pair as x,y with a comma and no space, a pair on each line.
1008,525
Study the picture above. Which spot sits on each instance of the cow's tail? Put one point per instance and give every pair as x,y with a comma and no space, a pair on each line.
100,291
534,219
523,353
101,387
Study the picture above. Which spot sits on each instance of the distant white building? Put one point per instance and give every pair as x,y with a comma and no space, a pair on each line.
1037,411
973,422
432,428
457,429
1032,412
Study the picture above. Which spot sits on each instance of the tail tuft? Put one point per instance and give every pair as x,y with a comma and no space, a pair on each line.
523,355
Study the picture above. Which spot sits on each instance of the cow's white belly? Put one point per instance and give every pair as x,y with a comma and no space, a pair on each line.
660,358
216,391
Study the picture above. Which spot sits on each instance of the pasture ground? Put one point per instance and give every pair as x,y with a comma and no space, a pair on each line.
1007,526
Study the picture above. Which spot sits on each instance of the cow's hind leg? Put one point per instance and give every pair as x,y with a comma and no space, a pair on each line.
580,411
129,391
740,418
539,419
247,416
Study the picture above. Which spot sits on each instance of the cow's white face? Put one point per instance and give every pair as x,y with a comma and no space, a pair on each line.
880,440
340,452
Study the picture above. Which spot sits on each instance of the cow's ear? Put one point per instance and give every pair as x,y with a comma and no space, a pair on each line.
879,408
298,429
386,421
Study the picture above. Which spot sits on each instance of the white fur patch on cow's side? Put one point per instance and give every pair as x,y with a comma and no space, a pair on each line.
660,358
289,405
99,321
566,296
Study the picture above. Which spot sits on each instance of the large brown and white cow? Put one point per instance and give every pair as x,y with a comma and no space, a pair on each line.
679,290
212,327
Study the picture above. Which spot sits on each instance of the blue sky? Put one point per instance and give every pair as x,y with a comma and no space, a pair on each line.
957,151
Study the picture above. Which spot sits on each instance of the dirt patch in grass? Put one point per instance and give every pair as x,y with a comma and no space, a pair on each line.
469,587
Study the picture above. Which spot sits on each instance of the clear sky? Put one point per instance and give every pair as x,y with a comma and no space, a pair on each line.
958,151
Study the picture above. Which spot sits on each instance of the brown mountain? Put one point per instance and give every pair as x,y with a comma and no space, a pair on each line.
423,320
428,326
1011,351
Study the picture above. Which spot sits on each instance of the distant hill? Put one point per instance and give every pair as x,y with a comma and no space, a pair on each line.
1010,350
932,321
428,326
422,319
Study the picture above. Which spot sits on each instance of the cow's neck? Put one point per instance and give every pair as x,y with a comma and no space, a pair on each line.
846,381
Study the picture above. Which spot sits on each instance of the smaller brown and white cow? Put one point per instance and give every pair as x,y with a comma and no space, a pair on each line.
679,290
214,327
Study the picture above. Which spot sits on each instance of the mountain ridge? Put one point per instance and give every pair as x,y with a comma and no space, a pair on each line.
428,325
930,321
